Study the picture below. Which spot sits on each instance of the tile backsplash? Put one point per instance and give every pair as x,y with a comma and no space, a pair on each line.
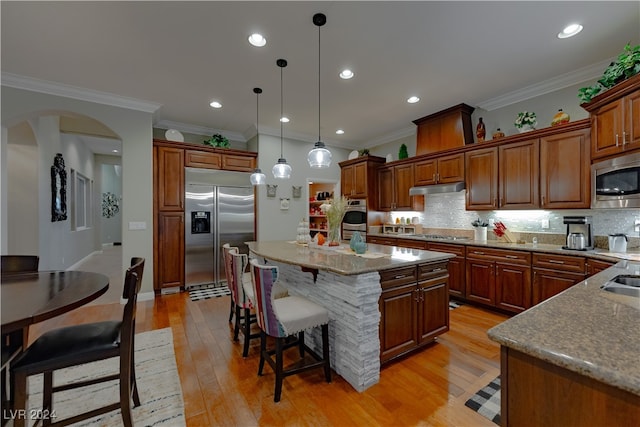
447,211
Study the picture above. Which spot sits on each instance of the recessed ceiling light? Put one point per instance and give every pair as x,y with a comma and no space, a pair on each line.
285,120
569,31
257,40
114,151
215,104
413,100
346,74
340,132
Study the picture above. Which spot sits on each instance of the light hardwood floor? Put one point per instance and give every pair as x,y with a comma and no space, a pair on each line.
221,388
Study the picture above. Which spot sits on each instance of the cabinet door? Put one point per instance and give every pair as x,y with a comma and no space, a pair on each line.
382,240
425,172
170,167
232,162
347,179
481,281
398,310
632,120
565,171
170,268
456,267
428,137
513,287
482,179
606,129
360,180
547,283
403,181
385,189
202,159
518,172
433,315
451,168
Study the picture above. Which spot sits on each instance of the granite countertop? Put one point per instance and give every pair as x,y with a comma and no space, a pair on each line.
584,329
603,254
342,260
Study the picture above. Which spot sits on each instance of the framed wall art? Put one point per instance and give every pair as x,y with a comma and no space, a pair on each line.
58,189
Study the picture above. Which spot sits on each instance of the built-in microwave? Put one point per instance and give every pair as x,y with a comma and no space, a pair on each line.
615,183
355,218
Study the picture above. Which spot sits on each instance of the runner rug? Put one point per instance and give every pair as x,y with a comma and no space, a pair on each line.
157,378
486,402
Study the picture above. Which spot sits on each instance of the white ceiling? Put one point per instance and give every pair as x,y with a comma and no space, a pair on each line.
181,55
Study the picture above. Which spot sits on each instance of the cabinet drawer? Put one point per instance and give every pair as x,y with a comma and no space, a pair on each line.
513,257
200,159
398,276
232,162
560,262
430,271
410,243
382,240
457,250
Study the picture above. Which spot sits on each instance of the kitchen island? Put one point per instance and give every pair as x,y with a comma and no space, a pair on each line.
573,359
349,286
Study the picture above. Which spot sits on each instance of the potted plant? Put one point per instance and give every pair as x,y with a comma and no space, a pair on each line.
526,121
218,141
624,67
403,153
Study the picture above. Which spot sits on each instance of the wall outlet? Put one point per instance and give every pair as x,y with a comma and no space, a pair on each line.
544,224
137,225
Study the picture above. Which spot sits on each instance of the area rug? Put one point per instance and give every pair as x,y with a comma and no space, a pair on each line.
157,378
486,402
208,291
454,304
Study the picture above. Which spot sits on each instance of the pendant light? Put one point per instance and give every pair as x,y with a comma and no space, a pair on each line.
319,156
281,170
257,177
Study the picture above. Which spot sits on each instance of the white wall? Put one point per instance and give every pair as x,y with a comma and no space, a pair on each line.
277,224
110,181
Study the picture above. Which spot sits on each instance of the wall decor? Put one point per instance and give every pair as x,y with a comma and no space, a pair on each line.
271,190
296,191
110,205
284,204
58,189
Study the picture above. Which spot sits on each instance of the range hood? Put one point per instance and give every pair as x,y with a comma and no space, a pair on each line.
452,187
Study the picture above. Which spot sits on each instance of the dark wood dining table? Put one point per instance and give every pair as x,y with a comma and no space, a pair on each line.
29,298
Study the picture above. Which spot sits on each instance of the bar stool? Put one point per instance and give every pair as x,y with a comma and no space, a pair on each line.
241,293
282,318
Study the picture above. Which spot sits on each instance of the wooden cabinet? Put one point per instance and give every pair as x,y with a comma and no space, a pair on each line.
456,267
394,183
518,186
411,244
381,240
440,170
595,266
553,274
499,278
414,308
482,179
170,247
358,178
447,129
170,179
615,119
565,170
202,159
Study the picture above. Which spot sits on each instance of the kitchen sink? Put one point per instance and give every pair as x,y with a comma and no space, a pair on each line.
624,285
442,237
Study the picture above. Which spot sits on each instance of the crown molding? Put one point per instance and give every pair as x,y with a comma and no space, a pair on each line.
562,81
304,137
199,130
74,92
392,136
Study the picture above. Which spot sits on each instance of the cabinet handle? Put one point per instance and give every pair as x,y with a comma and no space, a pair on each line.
495,202
438,177
400,276
417,297
624,138
501,202
543,200
553,261
478,253
434,178
512,256
616,139
436,269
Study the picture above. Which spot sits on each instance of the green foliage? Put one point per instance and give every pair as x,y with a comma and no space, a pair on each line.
363,152
218,141
403,153
625,66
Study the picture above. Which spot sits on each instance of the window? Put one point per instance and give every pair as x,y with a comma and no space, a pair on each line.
81,196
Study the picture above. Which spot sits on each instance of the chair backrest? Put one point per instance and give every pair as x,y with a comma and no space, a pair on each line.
238,263
226,252
132,283
263,278
19,263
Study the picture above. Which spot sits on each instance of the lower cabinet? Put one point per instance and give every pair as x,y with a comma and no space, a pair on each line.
456,267
169,267
553,274
414,308
499,278
595,266
392,241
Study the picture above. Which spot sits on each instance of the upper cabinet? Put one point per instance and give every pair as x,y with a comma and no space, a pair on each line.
440,170
358,178
394,183
170,178
615,119
447,129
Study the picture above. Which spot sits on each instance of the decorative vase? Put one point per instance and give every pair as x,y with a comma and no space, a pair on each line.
480,130
334,234
355,239
560,118
527,128
498,134
480,234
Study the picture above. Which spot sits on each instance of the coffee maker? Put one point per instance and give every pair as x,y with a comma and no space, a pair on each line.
579,233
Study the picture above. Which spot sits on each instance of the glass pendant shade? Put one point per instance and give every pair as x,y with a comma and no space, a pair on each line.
281,170
319,157
257,177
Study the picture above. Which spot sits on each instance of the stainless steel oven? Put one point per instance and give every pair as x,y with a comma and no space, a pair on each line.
355,218
615,183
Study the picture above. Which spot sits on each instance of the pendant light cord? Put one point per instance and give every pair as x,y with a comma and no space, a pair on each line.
281,111
319,84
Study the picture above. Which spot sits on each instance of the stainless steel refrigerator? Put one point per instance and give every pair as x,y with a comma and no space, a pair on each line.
214,215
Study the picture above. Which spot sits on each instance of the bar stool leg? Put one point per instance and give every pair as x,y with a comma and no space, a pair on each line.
246,330
279,370
325,352
263,350
301,343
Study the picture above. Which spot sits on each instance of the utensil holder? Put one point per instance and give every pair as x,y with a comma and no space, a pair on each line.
480,234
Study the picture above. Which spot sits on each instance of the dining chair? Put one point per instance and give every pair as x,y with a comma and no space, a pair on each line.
19,263
285,318
242,293
85,343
